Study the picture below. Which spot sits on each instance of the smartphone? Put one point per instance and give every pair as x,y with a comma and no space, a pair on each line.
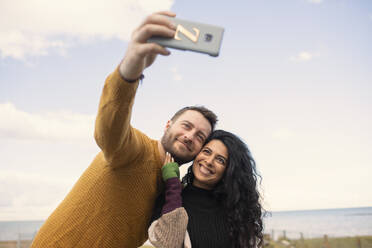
193,36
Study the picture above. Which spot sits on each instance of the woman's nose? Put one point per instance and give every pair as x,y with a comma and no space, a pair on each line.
209,160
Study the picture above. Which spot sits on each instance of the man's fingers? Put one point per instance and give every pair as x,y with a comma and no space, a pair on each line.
149,30
141,54
160,18
166,12
152,48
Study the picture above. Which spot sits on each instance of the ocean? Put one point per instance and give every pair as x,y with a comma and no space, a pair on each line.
22,230
317,223
308,223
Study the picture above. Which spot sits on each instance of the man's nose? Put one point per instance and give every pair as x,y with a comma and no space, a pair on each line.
188,137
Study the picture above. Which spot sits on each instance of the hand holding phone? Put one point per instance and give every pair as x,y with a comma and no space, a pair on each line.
193,36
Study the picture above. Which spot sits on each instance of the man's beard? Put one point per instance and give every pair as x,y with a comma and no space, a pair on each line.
167,141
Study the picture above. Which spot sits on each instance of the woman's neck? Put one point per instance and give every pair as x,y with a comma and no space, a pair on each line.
200,185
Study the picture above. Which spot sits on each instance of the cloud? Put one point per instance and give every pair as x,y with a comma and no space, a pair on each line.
29,195
176,75
36,27
19,45
283,134
315,1
63,126
303,56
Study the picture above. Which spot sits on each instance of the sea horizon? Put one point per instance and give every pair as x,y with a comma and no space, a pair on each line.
334,222
318,209
268,211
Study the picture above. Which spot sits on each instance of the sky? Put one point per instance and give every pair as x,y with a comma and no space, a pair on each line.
293,80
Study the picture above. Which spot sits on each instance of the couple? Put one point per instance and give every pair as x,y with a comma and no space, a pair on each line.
112,203
219,205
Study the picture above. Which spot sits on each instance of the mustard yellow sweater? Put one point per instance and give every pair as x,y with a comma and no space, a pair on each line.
112,202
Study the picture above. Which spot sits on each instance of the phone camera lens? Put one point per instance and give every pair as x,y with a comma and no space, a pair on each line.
208,37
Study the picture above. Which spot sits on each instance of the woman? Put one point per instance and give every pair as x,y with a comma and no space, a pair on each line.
219,206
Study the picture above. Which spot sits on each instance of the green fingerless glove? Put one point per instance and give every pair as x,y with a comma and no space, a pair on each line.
170,170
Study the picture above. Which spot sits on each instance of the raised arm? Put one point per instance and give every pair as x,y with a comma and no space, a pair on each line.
113,132
170,230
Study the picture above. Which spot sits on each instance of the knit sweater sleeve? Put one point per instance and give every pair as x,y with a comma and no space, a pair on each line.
113,132
171,228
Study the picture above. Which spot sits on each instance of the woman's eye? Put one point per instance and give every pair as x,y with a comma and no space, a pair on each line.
221,161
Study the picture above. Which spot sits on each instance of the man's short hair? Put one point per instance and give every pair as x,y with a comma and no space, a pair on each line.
208,114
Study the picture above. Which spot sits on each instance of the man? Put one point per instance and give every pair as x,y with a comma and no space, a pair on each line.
112,202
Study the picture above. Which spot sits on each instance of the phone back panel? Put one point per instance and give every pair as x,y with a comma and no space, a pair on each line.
193,36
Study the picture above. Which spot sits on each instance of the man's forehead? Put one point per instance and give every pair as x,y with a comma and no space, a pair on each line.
196,119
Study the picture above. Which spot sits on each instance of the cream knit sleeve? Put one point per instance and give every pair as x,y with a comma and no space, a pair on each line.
170,230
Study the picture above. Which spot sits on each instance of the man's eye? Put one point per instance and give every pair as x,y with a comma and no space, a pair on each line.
206,151
186,126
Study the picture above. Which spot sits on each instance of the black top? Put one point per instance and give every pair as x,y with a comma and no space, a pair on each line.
207,225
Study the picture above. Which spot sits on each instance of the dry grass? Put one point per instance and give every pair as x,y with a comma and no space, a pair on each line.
345,242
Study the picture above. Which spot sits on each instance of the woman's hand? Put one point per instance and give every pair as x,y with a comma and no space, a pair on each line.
170,168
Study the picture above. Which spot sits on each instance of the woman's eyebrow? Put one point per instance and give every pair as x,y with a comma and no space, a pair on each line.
221,156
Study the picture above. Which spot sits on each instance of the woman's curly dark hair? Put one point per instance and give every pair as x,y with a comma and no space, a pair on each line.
237,192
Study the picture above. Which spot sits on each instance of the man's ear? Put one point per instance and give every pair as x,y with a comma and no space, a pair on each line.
169,123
